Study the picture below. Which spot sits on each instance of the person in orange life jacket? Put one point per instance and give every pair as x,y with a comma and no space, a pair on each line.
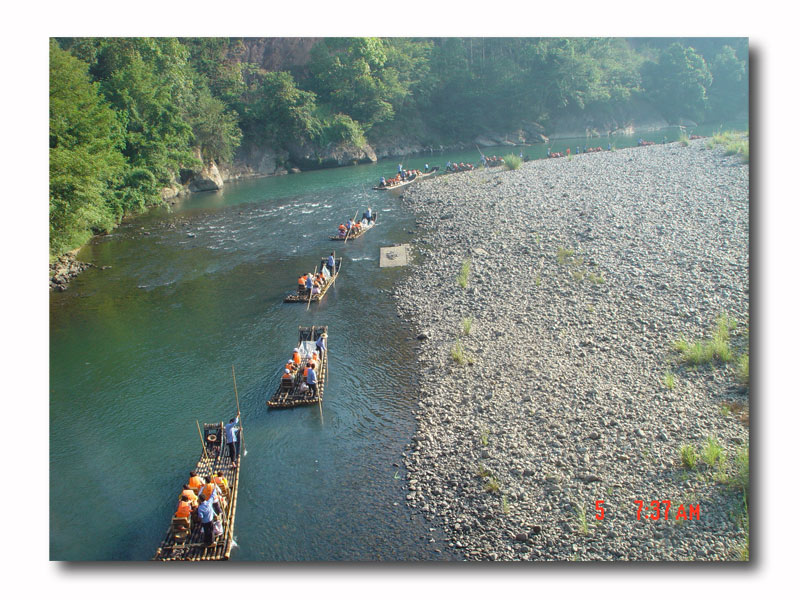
287,374
185,508
232,439
206,514
195,481
289,366
213,492
311,381
296,356
187,491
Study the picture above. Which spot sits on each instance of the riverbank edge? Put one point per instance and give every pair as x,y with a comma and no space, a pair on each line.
438,491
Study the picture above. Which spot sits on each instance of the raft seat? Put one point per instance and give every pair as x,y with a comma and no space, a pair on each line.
181,528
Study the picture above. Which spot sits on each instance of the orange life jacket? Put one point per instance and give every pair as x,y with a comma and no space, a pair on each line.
195,482
184,509
296,358
301,280
286,376
190,493
208,490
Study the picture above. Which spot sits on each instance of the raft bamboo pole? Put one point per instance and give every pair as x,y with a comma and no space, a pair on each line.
324,367
202,439
351,227
238,410
310,293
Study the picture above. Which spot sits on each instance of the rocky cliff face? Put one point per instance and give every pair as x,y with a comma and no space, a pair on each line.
274,54
307,156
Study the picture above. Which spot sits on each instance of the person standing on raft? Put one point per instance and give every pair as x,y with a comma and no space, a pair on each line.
232,439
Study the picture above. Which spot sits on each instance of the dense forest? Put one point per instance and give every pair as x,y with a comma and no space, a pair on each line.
131,116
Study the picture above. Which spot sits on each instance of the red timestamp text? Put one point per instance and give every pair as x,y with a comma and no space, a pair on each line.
655,510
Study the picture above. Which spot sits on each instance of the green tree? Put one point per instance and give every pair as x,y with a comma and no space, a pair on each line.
728,92
85,160
149,83
347,75
678,84
285,112
215,128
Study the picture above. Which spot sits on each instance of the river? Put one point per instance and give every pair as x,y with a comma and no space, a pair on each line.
142,350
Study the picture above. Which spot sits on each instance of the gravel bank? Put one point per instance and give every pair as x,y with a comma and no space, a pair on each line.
583,273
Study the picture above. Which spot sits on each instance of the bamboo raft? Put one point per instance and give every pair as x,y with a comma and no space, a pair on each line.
361,231
399,187
302,295
289,393
184,538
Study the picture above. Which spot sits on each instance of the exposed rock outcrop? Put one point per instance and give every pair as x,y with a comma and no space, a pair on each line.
208,179
257,161
307,156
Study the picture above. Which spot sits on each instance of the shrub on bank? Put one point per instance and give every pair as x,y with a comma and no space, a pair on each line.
512,162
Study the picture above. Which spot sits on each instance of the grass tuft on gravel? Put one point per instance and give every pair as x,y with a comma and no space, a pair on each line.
466,325
463,276
669,380
457,353
688,457
707,351
583,523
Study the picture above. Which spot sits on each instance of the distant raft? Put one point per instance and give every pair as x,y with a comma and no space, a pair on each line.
359,231
399,188
301,295
293,391
184,538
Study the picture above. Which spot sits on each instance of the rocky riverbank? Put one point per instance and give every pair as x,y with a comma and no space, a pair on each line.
583,273
65,268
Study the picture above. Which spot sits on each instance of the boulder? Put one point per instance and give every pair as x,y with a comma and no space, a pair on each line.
208,179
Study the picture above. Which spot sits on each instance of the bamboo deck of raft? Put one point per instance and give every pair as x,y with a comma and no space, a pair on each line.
298,297
288,393
192,548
